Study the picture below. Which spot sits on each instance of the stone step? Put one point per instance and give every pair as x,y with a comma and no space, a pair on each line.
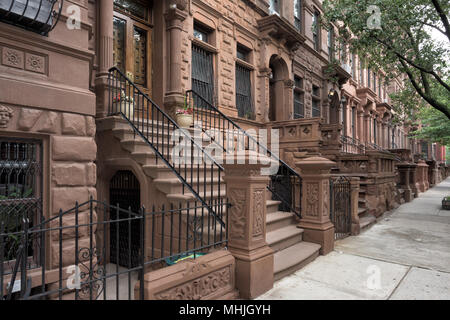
161,171
279,219
189,197
272,205
174,185
361,211
293,258
366,221
283,238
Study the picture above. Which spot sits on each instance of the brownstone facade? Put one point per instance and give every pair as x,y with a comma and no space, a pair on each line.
54,89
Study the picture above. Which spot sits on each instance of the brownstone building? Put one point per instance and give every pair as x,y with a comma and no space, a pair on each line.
75,129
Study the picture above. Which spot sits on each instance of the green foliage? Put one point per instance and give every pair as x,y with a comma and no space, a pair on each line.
403,45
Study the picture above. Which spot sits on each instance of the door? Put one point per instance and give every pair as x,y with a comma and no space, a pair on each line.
124,195
132,46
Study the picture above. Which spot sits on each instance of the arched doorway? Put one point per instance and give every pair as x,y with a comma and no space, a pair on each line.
278,109
124,193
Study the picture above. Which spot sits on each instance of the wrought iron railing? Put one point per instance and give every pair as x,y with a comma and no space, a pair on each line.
285,185
35,15
352,145
195,168
340,206
102,258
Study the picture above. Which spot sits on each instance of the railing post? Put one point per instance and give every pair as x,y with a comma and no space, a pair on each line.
246,191
315,172
354,189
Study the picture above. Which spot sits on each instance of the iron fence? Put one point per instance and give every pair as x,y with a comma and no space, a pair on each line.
352,145
79,263
340,206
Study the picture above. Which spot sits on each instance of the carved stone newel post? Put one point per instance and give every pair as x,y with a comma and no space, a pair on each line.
354,189
246,191
315,172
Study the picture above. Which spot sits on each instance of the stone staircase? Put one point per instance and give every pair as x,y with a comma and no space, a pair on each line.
283,236
365,218
286,239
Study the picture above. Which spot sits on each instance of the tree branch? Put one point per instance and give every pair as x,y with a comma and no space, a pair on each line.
443,17
435,104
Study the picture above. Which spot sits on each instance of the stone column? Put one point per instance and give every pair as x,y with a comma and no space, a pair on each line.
315,172
412,179
354,189
422,167
174,25
105,54
246,191
404,171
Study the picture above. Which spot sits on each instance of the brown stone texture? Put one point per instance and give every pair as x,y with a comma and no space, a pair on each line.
74,148
73,124
315,221
205,278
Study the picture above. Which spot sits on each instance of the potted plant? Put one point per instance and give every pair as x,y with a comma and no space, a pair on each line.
123,103
446,203
184,116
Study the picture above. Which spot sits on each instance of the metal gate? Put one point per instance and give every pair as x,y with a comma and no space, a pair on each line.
124,192
340,206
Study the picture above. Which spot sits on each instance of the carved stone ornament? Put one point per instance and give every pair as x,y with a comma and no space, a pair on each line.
237,214
5,115
198,288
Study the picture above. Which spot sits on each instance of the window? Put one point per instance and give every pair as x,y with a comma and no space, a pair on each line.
424,149
354,123
242,53
353,65
315,28
203,73
361,72
330,43
200,33
375,131
244,102
132,20
316,101
369,76
274,7
20,191
299,108
298,14
374,82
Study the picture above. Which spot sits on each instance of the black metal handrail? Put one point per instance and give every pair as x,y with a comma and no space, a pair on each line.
352,145
285,186
156,128
33,15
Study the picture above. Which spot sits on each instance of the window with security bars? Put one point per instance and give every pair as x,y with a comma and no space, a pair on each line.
244,103
299,108
20,194
316,101
203,73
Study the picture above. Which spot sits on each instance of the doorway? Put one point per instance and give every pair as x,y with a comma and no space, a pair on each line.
124,193
132,45
278,91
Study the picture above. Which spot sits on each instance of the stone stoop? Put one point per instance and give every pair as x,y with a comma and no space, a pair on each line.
286,239
365,218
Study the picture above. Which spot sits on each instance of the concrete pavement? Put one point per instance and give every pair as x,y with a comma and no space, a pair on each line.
406,255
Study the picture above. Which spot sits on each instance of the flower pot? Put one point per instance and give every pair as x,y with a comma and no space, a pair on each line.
446,203
125,107
185,120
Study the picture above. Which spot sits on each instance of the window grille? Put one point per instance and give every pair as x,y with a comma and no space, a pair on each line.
244,103
203,73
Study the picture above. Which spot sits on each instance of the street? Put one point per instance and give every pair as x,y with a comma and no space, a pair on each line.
405,255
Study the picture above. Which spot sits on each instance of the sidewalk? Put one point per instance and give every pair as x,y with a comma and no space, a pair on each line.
406,255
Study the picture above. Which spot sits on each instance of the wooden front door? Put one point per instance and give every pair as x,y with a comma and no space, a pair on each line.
132,49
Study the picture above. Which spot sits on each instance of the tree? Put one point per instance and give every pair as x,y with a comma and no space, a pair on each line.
395,36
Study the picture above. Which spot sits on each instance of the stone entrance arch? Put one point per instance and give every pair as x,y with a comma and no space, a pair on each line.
280,88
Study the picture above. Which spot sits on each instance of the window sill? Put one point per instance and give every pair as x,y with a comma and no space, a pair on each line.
204,45
244,64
